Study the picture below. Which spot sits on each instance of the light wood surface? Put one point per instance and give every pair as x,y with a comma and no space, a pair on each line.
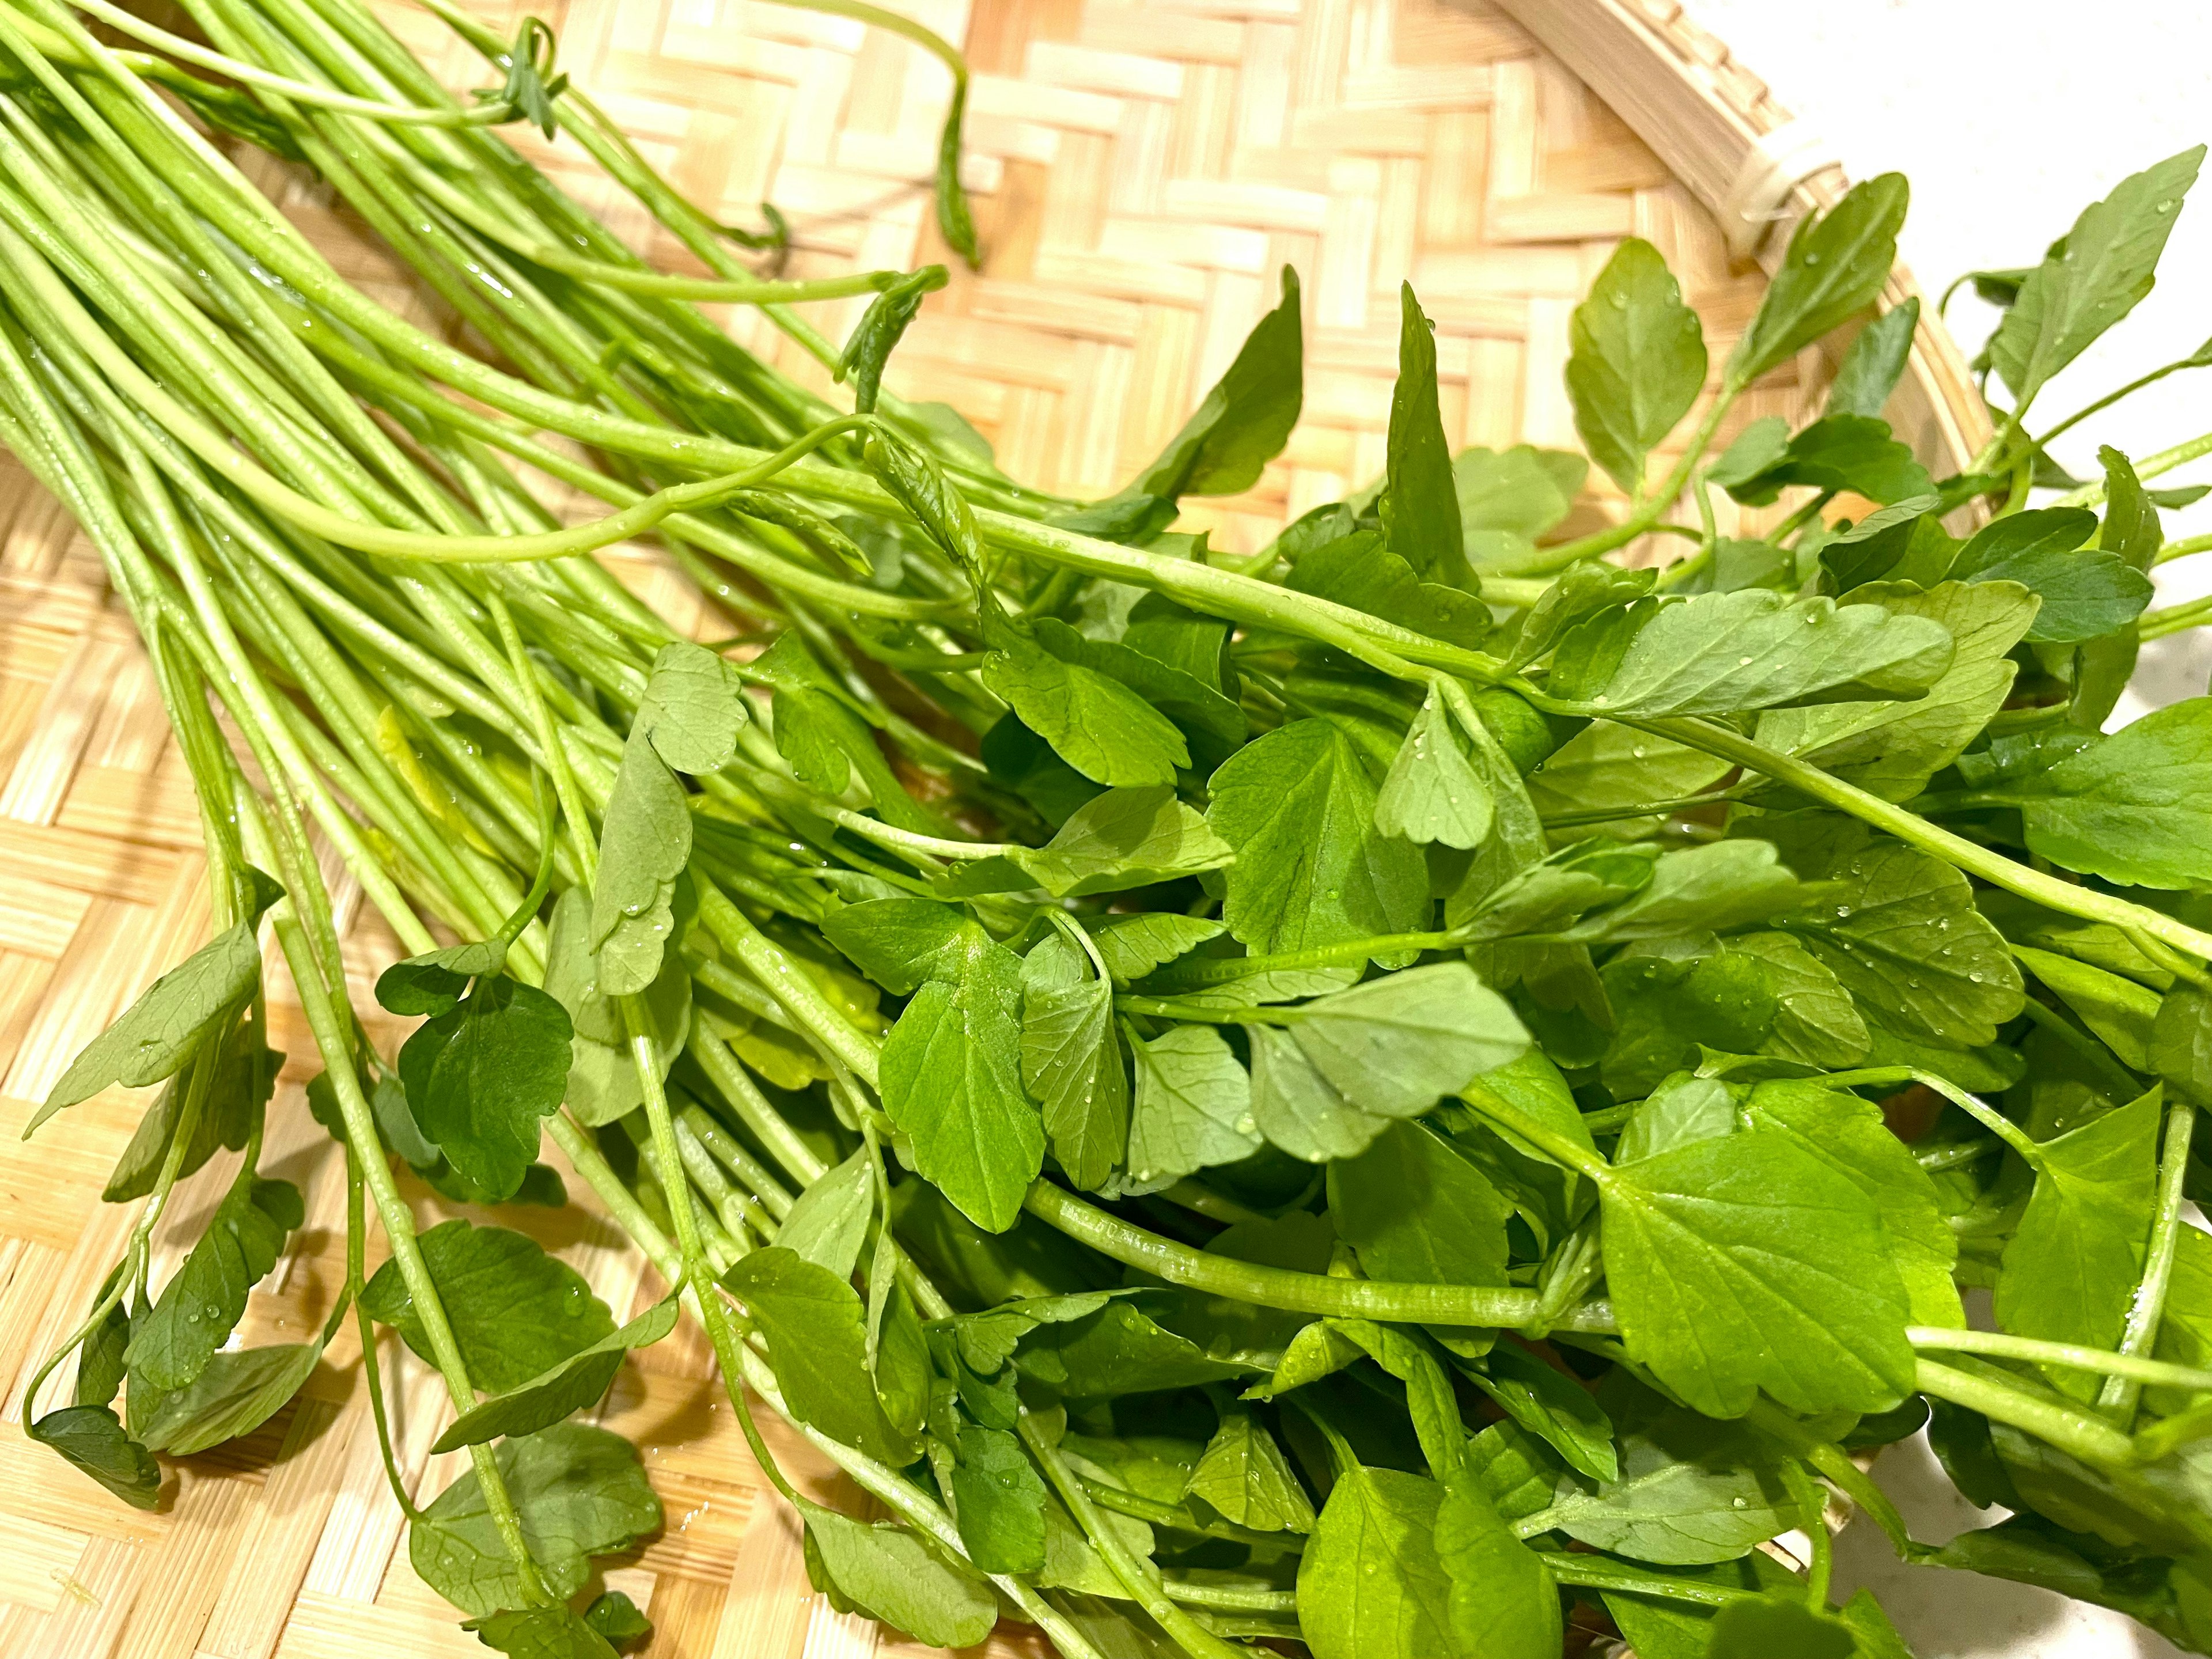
1142,168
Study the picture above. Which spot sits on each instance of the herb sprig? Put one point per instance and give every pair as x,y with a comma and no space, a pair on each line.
1243,1099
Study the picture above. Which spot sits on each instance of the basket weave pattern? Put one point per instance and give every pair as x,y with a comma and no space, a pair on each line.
1142,170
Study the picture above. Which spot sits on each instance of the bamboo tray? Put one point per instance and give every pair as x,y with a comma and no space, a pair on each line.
1141,168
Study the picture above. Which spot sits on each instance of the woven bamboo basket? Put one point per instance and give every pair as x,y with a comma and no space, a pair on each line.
1142,169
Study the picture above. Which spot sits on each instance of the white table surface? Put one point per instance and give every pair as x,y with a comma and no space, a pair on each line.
2009,116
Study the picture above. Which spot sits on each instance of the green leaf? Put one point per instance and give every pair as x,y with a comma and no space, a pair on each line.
900,943
913,477
1816,1021
155,1034
1193,1109
1723,652
1839,452
1711,889
1580,593
539,1633
570,1386
1095,723
1836,264
2071,1268
2135,807
2084,594
1659,1627
580,1492
433,982
881,327
91,1438
203,1303
2098,274
645,842
1358,571
2180,1050
829,1222
479,1077
1606,768
235,1394
999,1499
1299,1110
1072,1061
1397,1045
890,1574
1245,419
1637,360
1760,1626
603,1082
817,1345
1420,499
1414,1209
1243,1477
1117,1349
1848,1134
952,1084
2120,1012
1744,1263
617,1618
1874,361
1133,945
1901,932
1894,748
1551,1405
1211,721
1681,1112
245,1077
1502,1603
1517,493
516,1312
1370,1583
1125,838
693,709
1432,794
1691,1492
1298,805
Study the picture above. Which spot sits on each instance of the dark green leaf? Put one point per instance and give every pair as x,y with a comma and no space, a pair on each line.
1246,418
1836,264
540,1633
433,982
245,1077
1356,570
1095,723
829,1222
203,1303
1551,1405
580,1492
92,1438
2120,1012
952,1084
1416,1210
2104,267
999,1499
570,1386
1124,838
1115,1350
2084,593
877,333
479,1077
817,1345
1133,945
153,1037
1637,362
1837,452
1691,1492
1874,361
1298,805
1072,1061
516,1312
1420,499
617,1618
235,1394
1760,1626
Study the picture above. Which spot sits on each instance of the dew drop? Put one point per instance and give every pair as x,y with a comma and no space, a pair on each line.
1974,978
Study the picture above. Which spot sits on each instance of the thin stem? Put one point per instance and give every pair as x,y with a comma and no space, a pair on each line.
1980,1110
2182,548
1491,1307
2147,1308
2078,1432
2150,466
1646,517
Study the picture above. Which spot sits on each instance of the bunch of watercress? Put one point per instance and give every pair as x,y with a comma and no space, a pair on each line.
1399,1093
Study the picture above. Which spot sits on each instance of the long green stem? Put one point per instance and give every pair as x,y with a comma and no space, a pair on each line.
2147,1309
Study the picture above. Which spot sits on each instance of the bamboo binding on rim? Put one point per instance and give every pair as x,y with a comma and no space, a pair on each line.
1142,168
